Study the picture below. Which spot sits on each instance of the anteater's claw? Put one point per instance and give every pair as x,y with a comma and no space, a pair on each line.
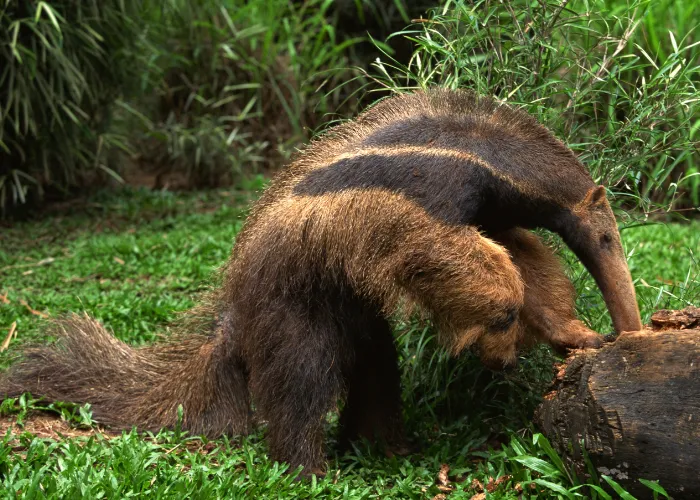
610,337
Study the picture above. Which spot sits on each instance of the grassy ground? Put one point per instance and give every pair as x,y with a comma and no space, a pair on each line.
134,260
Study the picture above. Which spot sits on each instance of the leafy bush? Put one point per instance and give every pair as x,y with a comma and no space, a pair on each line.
62,65
205,89
238,84
616,84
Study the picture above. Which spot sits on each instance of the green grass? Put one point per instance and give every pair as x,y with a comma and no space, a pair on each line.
134,260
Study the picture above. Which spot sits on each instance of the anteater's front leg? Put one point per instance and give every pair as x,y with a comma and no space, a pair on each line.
471,289
549,312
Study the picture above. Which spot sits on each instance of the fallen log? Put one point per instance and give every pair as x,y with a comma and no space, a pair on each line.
634,405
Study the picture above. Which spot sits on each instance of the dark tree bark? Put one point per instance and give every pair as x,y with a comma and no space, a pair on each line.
635,404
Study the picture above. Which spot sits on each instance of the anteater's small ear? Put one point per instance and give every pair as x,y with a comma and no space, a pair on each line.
596,196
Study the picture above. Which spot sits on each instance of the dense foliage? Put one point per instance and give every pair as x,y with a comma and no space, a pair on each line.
196,93
237,84
62,65
617,81
203,89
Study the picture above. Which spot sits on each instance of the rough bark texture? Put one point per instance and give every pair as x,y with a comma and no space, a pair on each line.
635,403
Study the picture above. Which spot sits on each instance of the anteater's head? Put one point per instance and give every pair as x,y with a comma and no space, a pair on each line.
591,232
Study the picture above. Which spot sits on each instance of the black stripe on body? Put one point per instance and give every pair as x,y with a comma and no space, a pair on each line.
451,189
538,164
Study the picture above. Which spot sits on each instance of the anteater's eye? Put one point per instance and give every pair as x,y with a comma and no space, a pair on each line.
605,239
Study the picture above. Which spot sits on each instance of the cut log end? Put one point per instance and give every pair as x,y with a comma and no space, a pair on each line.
634,405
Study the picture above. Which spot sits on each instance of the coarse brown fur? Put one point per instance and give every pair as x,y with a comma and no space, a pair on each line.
421,203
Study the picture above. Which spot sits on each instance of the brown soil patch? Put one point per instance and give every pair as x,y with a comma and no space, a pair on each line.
48,426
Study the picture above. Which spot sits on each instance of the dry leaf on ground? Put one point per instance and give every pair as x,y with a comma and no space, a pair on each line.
443,481
476,485
12,334
32,310
493,484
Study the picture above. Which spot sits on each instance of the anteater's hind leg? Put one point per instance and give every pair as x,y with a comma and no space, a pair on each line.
296,357
549,311
373,400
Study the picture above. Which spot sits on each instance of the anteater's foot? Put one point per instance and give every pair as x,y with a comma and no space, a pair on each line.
610,337
575,335
400,450
306,474
396,446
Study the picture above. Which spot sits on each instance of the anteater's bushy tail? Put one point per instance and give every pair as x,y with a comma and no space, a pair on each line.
140,387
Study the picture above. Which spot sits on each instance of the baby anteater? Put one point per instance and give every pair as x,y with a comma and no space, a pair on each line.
422,203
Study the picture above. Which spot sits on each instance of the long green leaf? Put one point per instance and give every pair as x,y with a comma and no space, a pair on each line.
655,486
618,488
538,465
